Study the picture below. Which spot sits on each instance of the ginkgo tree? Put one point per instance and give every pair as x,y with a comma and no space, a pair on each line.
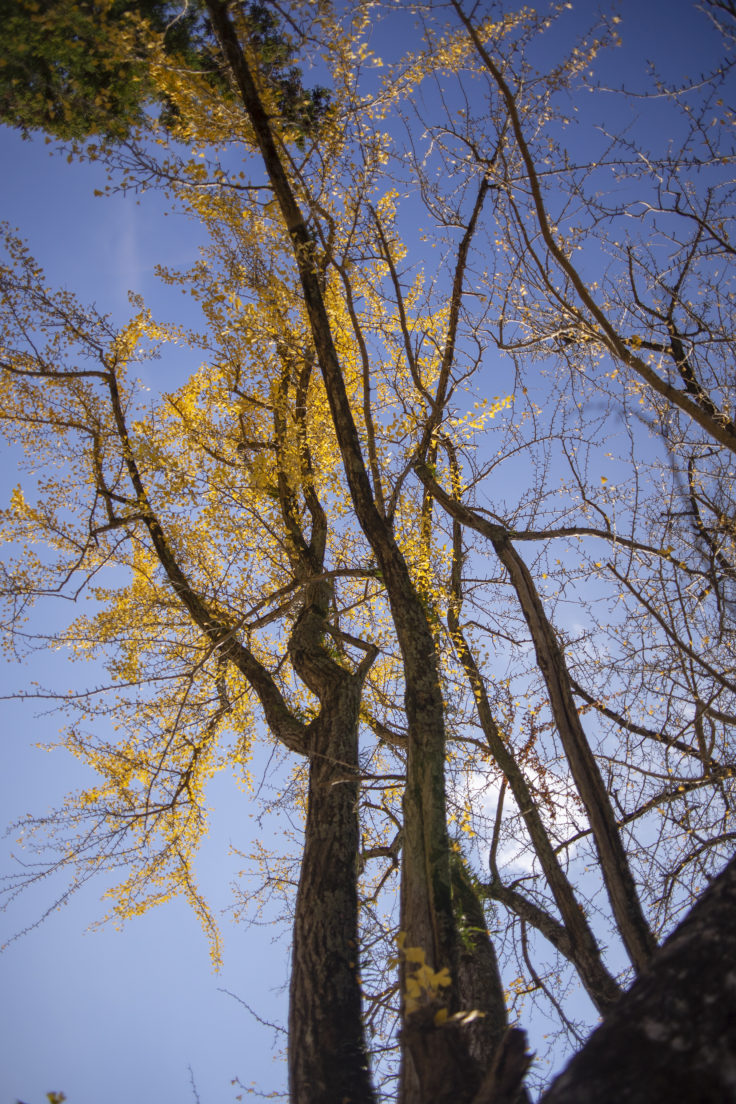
324,531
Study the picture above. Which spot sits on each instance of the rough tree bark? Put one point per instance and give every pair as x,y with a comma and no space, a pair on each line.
327,1053
328,1057
479,978
672,1036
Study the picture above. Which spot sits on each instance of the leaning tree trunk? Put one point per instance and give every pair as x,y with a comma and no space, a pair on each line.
672,1036
614,864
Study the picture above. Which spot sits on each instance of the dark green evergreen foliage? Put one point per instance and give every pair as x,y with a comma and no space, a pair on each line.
299,107
79,69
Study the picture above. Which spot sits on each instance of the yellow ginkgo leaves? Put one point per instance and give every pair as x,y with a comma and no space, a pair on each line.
424,984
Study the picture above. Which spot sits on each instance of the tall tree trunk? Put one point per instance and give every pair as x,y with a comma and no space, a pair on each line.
578,943
426,900
327,1054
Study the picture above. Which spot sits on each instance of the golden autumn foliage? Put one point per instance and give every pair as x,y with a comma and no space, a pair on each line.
442,478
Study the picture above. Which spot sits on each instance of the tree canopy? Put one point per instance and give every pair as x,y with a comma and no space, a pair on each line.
446,512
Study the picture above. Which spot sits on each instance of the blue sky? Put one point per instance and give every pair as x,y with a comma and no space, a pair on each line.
100,1014
120,1017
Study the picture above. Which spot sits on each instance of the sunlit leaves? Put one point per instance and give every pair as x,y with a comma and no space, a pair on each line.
193,523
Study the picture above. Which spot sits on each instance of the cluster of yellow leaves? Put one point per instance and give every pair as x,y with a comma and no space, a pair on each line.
423,985
214,467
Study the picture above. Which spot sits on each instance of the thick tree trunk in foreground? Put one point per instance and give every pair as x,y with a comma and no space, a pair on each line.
672,1037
